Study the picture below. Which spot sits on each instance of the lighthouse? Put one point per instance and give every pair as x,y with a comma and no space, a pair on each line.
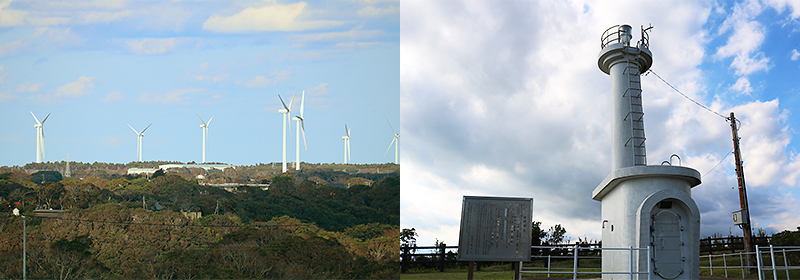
643,206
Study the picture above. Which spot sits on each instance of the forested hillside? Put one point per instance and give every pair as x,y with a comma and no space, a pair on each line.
133,227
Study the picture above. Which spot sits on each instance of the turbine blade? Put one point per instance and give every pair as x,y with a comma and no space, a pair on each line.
346,131
45,118
390,124
34,117
390,146
303,128
134,130
284,103
201,119
302,103
148,126
209,120
292,101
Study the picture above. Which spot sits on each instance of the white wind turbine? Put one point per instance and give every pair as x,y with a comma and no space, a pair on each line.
285,111
39,137
299,119
204,126
395,141
139,140
346,144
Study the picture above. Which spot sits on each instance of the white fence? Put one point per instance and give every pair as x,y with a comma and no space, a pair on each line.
575,271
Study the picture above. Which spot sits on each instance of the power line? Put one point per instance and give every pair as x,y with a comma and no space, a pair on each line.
698,104
684,95
720,162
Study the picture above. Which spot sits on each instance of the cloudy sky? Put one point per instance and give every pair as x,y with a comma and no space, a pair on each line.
97,66
506,99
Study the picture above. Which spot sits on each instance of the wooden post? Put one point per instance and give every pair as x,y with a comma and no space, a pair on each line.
746,228
469,271
441,257
517,276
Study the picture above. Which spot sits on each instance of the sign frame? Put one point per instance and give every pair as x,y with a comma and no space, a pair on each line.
495,229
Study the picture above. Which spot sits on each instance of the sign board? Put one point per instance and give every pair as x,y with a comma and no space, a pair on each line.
738,217
495,229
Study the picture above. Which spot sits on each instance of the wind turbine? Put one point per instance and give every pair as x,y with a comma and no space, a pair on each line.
285,111
204,126
300,126
395,139
139,140
39,137
346,144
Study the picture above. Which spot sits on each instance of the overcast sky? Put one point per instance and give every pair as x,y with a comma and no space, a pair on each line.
505,98
97,66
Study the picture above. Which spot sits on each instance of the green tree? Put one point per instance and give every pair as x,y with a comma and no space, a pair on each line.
45,176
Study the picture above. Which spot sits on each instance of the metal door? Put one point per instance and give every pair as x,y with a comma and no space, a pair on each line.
667,241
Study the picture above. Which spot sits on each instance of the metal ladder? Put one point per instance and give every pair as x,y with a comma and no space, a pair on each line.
636,112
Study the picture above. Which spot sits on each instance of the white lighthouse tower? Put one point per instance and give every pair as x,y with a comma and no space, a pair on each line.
642,205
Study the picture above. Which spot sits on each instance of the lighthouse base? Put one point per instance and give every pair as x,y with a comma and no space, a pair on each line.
650,206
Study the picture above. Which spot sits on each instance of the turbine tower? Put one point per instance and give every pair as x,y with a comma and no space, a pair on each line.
346,144
300,126
139,140
395,141
285,111
39,137
204,126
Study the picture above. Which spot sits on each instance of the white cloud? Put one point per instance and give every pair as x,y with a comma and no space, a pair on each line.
177,96
354,34
748,35
216,79
304,56
742,85
319,90
42,38
356,44
12,47
7,96
373,12
29,88
795,55
263,81
80,88
10,17
114,96
151,46
3,74
274,17
779,5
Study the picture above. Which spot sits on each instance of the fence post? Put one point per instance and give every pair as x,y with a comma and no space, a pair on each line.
725,265
404,261
785,264
631,263
441,257
710,265
758,263
772,260
649,261
741,264
575,265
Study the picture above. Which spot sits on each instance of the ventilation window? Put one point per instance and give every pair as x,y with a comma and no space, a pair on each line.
665,205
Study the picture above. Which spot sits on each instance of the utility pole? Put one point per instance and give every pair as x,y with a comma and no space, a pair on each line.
746,228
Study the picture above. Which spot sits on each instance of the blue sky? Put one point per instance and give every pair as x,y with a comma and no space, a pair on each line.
506,99
97,66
